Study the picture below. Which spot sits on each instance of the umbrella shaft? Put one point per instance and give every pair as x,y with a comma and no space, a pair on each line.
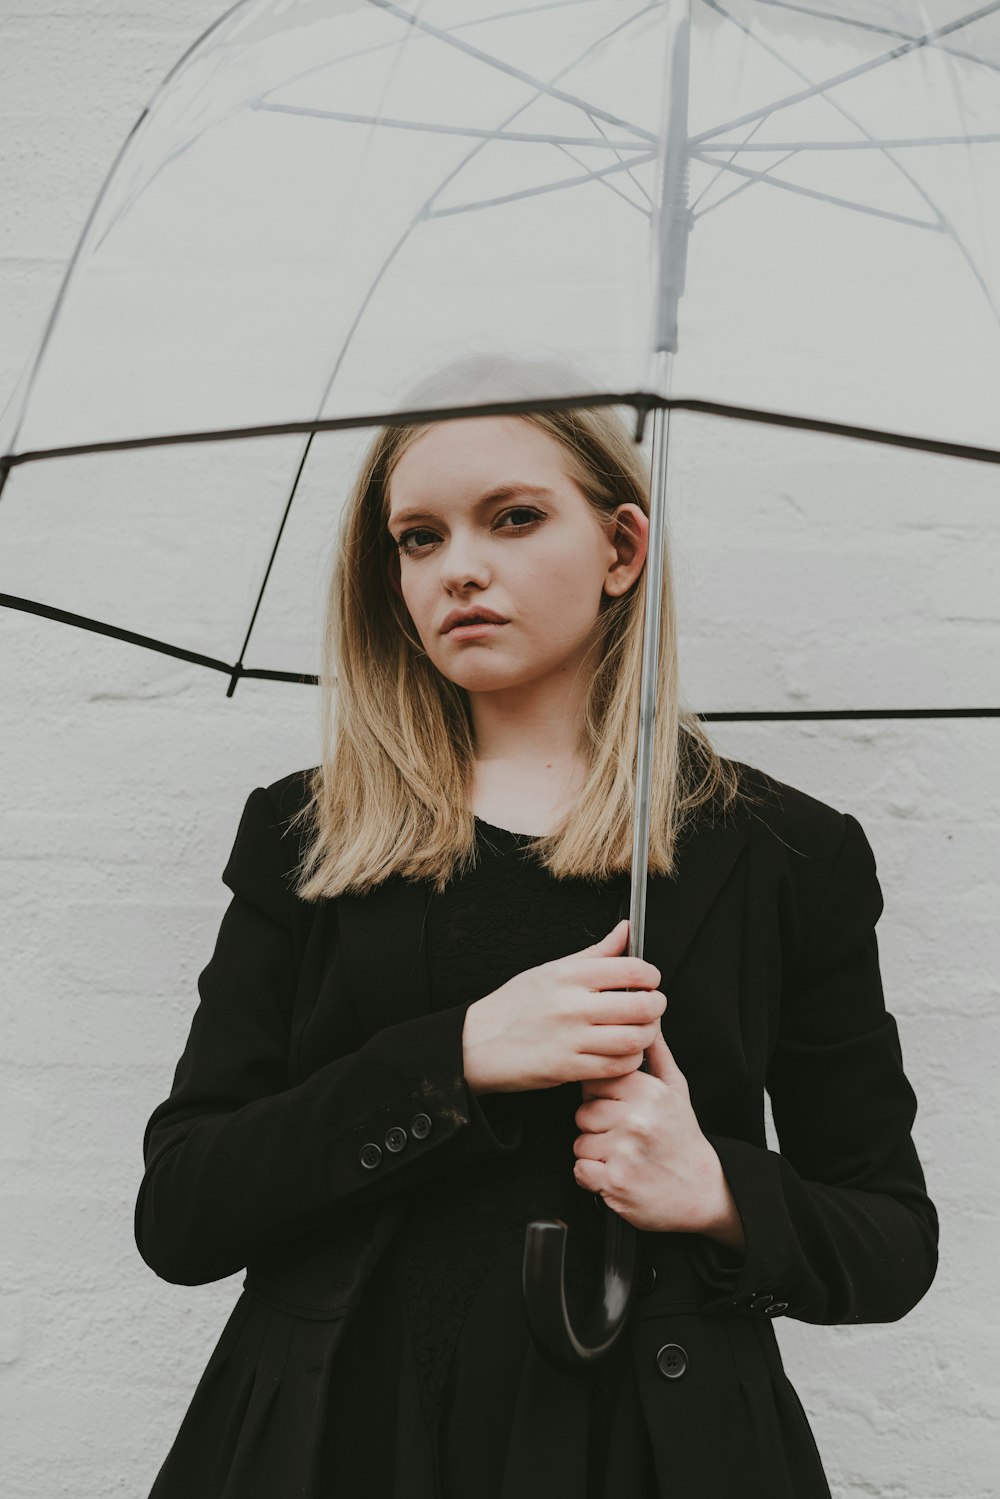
674,220
650,662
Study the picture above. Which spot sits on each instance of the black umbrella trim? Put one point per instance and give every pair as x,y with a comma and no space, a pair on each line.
236,671
642,401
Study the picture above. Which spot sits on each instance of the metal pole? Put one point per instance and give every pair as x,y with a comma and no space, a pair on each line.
543,1266
650,663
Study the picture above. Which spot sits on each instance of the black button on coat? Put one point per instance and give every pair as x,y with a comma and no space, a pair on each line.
314,1041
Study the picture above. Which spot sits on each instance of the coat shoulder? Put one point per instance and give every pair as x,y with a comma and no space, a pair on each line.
270,844
795,826
266,852
288,796
289,793
808,857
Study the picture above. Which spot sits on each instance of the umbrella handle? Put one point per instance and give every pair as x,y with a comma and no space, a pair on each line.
543,1274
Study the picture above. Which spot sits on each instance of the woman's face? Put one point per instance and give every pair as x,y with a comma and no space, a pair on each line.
485,515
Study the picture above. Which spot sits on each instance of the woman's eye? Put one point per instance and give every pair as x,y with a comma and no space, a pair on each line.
521,510
410,546
402,543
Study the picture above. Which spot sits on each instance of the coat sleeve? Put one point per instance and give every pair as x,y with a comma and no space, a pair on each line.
237,1162
838,1225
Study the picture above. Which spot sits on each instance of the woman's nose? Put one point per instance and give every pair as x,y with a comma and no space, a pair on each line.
464,563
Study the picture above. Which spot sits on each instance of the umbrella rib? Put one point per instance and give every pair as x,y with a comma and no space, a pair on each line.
264,673
174,155
536,137
238,668
850,73
944,224
424,211
610,185
345,57
817,714
36,359
621,26
812,192
97,626
634,180
513,72
735,192
591,174
866,145
821,15
713,180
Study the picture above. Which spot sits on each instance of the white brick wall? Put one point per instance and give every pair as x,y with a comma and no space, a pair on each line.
123,775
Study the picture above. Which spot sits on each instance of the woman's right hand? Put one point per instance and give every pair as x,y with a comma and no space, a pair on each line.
564,1021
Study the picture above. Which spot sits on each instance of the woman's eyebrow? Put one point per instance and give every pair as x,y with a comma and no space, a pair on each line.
499,492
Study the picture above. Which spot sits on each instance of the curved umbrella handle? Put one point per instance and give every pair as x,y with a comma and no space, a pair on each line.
543,1276
545,1294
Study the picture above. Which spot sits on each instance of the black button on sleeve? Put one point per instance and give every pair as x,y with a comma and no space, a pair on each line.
776,1308
395,1138
420,1126
762,1302
672,1360
370,1156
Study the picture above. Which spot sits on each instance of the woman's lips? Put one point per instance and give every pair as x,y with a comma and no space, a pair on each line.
474,631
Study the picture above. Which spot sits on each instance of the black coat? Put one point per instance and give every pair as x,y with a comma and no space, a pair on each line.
318,1090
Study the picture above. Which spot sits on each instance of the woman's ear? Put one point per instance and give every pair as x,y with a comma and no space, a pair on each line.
628,532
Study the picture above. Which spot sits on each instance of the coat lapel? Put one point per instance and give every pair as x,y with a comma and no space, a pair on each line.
676,907
382,933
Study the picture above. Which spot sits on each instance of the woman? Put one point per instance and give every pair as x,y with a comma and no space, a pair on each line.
419,1031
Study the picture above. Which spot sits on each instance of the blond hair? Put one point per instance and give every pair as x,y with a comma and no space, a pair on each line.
391,795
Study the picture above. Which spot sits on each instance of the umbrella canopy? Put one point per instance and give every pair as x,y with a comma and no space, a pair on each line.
327,200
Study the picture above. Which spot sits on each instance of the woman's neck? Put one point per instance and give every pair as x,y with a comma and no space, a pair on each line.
537,723
524,794
530,766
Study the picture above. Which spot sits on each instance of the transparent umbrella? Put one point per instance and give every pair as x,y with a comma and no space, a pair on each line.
756,210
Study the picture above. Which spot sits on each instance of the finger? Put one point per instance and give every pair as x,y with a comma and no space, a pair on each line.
609,945
617,1043
611,1085
661,1061
601,1087
589,1148
588,1174
625,1006
594,1117
624,1088
611,971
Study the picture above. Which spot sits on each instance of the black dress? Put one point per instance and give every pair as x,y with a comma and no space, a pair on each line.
441,1390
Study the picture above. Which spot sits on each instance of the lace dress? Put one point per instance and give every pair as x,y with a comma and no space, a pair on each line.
443,1394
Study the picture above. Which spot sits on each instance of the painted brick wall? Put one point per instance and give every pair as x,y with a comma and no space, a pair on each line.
123,776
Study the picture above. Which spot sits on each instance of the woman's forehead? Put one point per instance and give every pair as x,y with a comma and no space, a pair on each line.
467,461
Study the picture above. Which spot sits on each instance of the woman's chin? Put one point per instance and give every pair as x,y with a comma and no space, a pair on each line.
485,676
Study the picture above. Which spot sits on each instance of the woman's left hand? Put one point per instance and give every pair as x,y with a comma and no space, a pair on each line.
643,1149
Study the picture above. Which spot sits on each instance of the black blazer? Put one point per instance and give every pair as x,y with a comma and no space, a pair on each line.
318,1090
